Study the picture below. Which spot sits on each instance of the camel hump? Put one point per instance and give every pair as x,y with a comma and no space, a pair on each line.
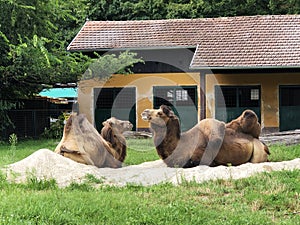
212,127
214,132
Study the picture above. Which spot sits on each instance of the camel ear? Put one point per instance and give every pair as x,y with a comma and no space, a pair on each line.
112,121
167,110
171,114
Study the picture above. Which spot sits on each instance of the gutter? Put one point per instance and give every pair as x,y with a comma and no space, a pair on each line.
127,48
242,67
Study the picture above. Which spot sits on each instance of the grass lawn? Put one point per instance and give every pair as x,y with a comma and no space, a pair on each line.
267,198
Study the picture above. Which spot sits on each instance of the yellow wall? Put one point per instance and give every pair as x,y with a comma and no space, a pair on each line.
269,92
144,84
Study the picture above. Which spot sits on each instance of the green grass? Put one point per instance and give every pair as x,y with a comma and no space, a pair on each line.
263,199
139,151
267,198
23,149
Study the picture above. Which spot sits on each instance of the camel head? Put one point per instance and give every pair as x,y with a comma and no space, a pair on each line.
249,116
249,123
159,117
118,125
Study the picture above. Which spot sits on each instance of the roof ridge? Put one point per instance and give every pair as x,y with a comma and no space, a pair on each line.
196,19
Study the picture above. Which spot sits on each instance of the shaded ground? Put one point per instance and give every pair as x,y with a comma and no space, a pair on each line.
284,137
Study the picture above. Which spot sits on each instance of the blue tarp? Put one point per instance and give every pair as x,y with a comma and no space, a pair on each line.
59,93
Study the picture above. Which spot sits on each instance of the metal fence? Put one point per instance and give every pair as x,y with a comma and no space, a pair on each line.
30,123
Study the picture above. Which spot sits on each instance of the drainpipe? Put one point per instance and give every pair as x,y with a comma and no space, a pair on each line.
202,94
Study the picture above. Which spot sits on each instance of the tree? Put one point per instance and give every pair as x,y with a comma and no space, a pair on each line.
33,39
162,9
104,66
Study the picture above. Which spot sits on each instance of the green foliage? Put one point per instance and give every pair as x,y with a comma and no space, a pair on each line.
33,39
5,105
13,140
56,129
160,9
104,66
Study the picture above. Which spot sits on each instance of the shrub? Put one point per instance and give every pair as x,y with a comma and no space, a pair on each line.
56,129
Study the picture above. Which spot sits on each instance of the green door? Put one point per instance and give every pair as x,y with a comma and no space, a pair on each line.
115,102
183,101
231,101
289,107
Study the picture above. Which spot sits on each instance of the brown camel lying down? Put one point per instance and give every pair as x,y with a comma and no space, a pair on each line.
210,142
112,132
82,143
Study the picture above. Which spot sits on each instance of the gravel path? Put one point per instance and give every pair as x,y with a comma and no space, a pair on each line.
284,137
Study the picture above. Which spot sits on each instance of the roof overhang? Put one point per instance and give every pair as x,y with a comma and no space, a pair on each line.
132,48
243,67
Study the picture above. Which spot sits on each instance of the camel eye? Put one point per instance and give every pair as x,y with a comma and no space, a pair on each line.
159,113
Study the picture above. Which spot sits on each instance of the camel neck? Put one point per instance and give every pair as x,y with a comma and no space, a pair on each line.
167,137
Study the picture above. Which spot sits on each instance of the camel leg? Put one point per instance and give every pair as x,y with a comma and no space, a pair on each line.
76,156
260,152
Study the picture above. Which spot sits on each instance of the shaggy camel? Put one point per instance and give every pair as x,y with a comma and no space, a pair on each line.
246,123
112,132
82,143
209,142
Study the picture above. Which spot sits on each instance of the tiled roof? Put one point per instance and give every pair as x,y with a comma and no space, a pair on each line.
258,41
247,41
97,35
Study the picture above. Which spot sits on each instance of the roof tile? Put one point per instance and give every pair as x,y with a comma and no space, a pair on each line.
246,41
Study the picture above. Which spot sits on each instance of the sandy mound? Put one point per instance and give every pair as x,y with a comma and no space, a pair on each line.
45,164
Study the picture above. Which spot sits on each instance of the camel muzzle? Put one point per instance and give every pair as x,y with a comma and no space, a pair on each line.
146,115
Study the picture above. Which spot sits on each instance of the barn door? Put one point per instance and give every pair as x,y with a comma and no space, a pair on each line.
183,101
117,102
289,107
231,101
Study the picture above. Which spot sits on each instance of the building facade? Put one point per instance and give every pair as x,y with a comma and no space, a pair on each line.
214,67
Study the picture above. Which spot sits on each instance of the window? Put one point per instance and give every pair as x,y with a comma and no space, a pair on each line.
175,96
290,96
248,97
242,96
117,97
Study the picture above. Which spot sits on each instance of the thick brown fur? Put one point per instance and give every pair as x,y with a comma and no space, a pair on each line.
246,123
112,132
82,143
207,143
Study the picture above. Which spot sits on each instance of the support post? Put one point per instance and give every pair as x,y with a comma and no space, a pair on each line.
202,95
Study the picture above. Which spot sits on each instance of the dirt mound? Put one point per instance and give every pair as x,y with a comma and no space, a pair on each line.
45,164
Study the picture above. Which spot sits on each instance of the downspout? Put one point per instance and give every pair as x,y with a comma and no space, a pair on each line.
203,94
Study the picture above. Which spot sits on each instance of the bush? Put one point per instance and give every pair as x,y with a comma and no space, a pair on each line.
56,129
